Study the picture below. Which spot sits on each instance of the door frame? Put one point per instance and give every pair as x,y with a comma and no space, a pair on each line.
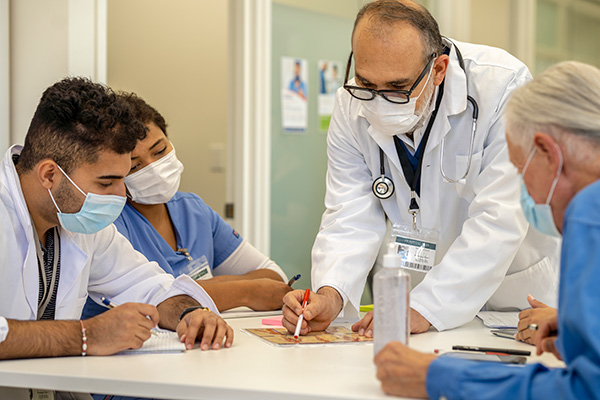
4,75
249,122
87,50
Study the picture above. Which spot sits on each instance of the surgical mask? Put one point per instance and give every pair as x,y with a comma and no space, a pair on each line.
540,215
157,182
394,119
98,211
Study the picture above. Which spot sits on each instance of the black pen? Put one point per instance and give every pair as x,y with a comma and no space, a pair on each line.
494,350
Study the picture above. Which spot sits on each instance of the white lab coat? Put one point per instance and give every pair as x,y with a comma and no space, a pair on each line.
487,255
101,264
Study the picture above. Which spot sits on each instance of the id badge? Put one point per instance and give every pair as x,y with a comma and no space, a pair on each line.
39,394
199,269
417,246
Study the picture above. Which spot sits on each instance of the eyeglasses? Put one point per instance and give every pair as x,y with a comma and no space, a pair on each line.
393,96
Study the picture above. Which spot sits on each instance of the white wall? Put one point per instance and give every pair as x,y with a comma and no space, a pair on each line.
39,56
174,55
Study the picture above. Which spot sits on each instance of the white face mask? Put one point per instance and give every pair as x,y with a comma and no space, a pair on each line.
394,119
156,183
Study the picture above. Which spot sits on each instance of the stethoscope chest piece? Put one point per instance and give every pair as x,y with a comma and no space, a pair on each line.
383,187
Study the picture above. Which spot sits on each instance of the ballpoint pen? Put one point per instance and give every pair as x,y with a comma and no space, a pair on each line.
301,318
107,302
493,350
293,279
110,304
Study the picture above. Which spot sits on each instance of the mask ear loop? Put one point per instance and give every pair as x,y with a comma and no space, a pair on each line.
426,81
71,180
52,198
560,166
529,158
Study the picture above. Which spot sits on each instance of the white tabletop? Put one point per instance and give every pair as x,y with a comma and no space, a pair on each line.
250,369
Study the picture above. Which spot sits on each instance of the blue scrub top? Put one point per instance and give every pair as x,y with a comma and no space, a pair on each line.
198,228
578,326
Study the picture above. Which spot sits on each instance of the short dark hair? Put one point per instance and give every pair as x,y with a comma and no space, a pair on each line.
75,119
386,12
143,111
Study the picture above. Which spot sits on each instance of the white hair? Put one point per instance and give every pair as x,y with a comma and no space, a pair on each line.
564,102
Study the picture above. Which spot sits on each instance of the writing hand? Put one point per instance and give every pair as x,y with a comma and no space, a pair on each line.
124,327
322,308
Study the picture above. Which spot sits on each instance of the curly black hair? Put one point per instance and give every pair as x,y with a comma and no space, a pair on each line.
143,111
75,119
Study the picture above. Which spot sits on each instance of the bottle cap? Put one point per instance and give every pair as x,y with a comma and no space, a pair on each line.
393,260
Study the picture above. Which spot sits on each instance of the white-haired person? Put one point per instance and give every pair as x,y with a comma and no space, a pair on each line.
553,137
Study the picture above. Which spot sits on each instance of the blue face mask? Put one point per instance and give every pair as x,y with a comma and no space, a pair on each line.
540,215
98,211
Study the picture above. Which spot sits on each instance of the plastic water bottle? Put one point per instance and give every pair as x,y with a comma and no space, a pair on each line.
391,287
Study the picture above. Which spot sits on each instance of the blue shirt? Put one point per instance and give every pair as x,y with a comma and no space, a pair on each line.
578,325
198,228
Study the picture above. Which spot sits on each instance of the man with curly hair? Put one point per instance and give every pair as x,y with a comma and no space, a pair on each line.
59,194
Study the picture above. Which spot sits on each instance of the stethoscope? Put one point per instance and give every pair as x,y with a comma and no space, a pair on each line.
383,187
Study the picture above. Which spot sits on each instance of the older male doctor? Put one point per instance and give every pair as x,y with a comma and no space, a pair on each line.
417,137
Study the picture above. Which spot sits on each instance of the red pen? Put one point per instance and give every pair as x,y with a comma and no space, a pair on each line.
304,303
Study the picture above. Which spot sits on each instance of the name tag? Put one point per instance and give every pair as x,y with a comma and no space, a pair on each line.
417,247
39,394
199,269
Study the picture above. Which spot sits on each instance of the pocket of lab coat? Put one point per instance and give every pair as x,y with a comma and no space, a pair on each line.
72,310
540,280
464,187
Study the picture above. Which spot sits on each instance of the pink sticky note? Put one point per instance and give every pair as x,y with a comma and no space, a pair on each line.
276,321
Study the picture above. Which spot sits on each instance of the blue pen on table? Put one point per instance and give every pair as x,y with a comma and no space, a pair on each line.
293,279
110,304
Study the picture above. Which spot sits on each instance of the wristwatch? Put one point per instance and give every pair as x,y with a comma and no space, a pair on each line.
190,309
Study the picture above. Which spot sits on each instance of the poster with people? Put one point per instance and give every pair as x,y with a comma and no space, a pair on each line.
294,94
329,81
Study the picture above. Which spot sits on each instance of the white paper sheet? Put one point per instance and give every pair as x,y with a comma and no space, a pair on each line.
499,320
163,341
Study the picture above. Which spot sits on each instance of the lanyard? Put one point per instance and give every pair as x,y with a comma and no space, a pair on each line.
413,177
48,289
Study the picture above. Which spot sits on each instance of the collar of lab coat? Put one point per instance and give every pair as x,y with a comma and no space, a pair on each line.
454,102
73,258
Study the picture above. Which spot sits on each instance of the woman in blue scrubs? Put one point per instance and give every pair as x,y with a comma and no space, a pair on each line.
183,234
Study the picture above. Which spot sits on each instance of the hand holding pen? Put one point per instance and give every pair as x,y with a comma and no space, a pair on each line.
317,314
299,323
110,304
124,327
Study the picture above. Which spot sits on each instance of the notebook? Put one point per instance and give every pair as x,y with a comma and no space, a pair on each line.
163,341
